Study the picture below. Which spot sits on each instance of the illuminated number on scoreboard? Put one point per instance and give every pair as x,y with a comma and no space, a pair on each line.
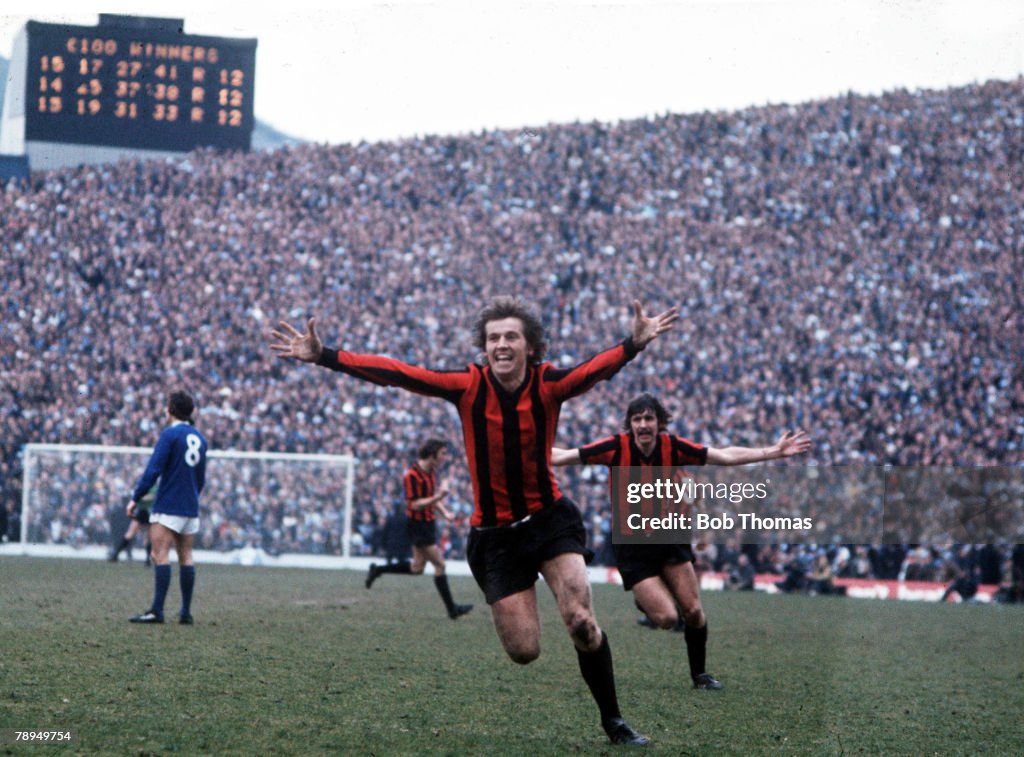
128,68
126,89
50,105
53,63
229,117
87,67
165,92
234,78
56,84
232,97
126,110
165,112
89,107
92,87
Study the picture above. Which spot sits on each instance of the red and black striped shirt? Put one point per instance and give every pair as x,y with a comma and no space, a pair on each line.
508,435
418,484
622,451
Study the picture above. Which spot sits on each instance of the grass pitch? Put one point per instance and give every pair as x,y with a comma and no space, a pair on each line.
285,661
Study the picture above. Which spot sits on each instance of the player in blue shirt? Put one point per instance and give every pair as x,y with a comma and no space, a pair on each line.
179,462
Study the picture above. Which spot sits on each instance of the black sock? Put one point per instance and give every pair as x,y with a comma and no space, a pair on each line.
395,567
187,582
599,674
161,582
696,649
441,582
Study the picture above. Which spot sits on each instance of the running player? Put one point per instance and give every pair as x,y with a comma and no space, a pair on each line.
522,525
423,499
661,576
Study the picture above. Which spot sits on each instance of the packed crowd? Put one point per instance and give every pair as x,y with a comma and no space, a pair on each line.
849,266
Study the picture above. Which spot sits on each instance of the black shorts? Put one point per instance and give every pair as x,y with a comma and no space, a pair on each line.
141,515
507,560
422,533
637,562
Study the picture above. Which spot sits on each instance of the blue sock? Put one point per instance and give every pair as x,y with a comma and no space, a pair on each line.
187,578
162,580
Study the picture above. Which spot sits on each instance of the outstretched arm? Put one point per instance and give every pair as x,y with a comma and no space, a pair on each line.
298,346
646,329
789,444
568,383
289,342
561,456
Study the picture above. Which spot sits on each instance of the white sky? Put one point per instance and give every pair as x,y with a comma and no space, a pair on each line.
341,71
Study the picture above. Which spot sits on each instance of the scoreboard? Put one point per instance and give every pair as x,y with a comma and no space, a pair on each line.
140,83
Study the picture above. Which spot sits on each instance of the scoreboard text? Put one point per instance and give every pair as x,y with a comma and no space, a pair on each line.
138,85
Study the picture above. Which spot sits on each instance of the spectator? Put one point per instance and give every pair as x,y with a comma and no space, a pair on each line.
860,567
961,569
819,580
918,565
796,565
741,575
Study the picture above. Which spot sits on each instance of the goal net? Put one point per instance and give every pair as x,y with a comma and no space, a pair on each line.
277,503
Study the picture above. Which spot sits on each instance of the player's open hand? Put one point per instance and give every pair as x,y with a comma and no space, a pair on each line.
292,343
793,443
646,329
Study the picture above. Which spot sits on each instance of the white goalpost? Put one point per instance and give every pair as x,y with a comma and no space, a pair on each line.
256,507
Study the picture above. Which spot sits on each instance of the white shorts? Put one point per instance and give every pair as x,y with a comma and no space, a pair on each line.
179,524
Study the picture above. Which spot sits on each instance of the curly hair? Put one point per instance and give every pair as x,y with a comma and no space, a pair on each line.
647,402
512,307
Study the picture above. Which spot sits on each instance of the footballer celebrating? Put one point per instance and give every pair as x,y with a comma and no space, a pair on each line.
522,524
661,576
